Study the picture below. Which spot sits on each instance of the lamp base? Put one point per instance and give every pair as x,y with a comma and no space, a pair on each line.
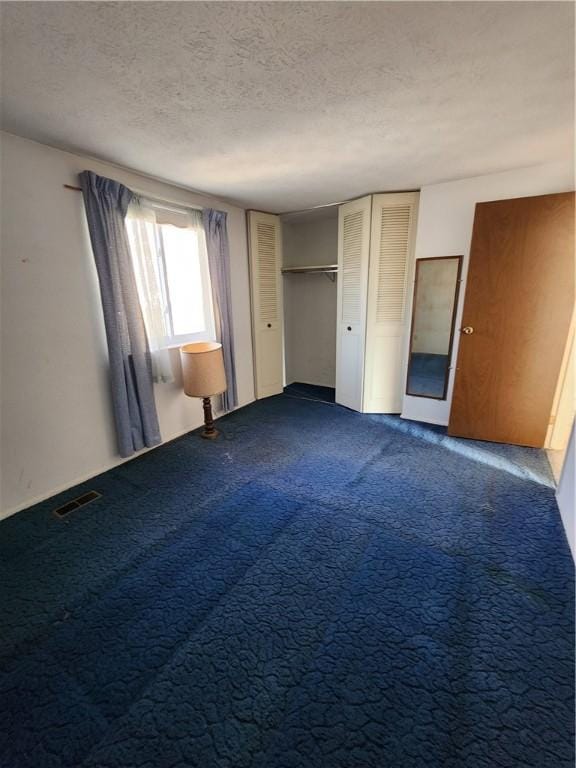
209,432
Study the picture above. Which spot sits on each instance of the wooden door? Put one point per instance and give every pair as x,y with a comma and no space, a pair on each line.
353,258
517,311
265,245
391,253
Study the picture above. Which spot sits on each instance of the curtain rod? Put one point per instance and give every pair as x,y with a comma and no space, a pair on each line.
148,197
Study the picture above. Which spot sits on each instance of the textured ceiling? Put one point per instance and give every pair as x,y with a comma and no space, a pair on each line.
281,106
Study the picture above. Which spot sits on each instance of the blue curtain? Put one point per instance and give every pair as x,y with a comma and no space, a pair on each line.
135,414
219,263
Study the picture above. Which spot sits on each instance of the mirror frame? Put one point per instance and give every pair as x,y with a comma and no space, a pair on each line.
452,325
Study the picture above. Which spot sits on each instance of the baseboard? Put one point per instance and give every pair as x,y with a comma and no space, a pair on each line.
426,421
106,468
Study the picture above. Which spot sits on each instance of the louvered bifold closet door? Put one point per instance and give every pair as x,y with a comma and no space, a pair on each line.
391,254
353,256
266,292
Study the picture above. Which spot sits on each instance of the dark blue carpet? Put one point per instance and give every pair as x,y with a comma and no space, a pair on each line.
317,589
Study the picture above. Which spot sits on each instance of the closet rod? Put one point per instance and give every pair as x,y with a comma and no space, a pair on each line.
311,269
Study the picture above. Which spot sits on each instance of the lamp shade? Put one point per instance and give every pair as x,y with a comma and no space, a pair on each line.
203,369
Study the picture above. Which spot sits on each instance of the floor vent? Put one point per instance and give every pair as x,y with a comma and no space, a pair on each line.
70,506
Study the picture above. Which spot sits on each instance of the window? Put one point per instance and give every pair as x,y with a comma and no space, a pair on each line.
171,268
185,284
168,252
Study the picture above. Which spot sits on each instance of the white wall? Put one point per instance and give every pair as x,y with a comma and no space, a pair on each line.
57,426
310,238
566,493
310,300
445,218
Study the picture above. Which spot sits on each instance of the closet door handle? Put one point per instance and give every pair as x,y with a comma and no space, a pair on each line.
349,328
467,330
269,325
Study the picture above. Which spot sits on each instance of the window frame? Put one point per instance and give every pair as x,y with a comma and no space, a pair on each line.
209,333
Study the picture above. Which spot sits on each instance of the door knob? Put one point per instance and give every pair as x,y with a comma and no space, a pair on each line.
467,330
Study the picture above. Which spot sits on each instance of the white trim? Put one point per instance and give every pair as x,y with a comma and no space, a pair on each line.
438,423
566,493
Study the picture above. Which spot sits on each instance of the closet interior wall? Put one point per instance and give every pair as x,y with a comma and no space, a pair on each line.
310,239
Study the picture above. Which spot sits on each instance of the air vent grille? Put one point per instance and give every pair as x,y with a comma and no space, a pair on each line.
81,501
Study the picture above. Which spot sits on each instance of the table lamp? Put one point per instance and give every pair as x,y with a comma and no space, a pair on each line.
204,376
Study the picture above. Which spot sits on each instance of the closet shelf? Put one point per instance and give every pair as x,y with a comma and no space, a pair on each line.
326,268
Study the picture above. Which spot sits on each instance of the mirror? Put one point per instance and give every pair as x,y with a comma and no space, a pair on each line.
433,311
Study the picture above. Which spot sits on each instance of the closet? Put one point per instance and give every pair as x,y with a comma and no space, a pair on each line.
309,270
375,247
329,307
328,290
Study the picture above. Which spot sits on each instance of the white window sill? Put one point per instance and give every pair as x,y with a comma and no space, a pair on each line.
179,344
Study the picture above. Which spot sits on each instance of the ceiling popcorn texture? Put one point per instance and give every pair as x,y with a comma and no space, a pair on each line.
281,106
